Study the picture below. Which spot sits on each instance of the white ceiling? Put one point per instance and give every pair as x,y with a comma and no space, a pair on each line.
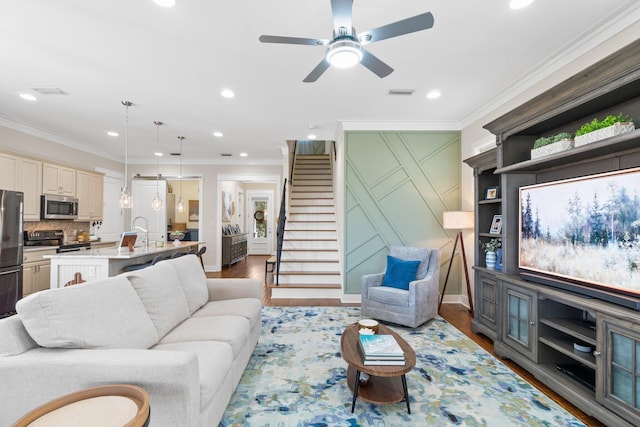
172,64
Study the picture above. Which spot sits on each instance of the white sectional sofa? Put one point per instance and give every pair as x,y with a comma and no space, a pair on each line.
182,337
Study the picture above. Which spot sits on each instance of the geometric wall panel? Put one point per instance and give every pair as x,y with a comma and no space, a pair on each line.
397,185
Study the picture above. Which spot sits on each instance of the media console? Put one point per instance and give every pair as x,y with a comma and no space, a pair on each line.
534,320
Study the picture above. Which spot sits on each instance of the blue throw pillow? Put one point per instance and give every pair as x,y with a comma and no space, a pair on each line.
399,273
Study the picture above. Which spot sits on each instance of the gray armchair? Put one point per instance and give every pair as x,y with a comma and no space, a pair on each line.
409,308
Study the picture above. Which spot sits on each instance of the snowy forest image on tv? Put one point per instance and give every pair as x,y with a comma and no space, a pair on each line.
585,229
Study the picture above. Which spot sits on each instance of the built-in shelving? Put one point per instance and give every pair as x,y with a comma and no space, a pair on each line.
537,321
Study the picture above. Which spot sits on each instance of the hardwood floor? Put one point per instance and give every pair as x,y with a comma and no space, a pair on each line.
456,314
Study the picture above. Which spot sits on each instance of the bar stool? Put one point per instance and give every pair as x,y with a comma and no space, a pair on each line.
110,405
199,254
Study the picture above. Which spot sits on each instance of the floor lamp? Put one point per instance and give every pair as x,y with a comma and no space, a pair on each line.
458,220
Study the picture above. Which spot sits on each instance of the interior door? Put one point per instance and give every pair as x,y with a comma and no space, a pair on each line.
143,191
260,222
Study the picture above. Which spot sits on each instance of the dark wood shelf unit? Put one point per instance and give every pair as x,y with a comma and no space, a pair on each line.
536,323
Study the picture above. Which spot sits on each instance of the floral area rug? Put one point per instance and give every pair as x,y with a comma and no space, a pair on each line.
297,377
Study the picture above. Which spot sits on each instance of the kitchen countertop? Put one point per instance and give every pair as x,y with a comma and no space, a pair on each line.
122,253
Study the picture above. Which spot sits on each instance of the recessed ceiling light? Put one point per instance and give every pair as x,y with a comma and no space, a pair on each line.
28,97
165,3
243,154
218,134
112,133
227,93
434,94
311,136
519,4
158,154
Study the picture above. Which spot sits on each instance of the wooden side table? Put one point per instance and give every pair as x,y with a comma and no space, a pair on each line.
110,405
387,384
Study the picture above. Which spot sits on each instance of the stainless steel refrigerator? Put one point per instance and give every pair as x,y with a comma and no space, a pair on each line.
11,211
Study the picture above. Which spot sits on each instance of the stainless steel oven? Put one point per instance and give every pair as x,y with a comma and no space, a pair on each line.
58,207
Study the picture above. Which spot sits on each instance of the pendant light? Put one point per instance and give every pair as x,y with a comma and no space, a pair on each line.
157,201
125,196
180,204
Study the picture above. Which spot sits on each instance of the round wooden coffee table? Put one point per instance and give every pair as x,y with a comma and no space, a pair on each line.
386,384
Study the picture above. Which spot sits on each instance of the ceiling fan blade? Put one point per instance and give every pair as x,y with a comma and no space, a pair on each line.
342,12
293,40
317,72
405,26
374,64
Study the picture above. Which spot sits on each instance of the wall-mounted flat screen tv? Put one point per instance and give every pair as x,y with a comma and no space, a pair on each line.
583,231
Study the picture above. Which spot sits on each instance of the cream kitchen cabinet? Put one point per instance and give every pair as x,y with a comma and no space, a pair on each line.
8,172
58,179
30,183
36,271
23,174
90,194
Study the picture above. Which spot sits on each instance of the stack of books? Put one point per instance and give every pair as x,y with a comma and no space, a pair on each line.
380,350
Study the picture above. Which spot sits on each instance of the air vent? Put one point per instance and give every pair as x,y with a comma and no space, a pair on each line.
175,154
50,91
226,154
401,91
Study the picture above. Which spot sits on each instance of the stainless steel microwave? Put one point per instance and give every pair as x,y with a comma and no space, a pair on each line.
58,207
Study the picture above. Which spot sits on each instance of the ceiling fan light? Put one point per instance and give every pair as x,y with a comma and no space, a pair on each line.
344,53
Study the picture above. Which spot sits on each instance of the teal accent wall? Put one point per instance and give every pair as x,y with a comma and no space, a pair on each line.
397,185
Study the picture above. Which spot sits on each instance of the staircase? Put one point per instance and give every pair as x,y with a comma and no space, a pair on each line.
309,264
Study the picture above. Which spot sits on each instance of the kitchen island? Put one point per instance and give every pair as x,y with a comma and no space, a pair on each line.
106,262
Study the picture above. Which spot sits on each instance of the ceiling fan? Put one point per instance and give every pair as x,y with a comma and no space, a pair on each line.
345,49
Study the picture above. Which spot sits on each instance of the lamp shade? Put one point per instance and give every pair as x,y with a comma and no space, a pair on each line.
457,220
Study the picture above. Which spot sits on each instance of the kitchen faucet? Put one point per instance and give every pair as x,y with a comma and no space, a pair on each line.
144,230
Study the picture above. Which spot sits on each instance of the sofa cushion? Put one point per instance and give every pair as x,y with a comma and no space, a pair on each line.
98,314
215,366
249,308
193,279
15,338
161,292
399,273
388,296
233,330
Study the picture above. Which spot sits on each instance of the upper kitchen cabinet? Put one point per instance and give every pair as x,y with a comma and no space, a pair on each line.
30,183
58,179
23,174
90,194
8,172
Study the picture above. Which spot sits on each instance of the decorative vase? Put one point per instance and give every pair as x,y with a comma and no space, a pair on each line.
490,260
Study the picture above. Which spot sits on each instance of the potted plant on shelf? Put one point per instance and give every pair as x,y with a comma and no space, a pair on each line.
596,130
490,249
546,145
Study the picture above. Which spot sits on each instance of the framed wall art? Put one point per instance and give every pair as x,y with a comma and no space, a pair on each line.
496,225
492,193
